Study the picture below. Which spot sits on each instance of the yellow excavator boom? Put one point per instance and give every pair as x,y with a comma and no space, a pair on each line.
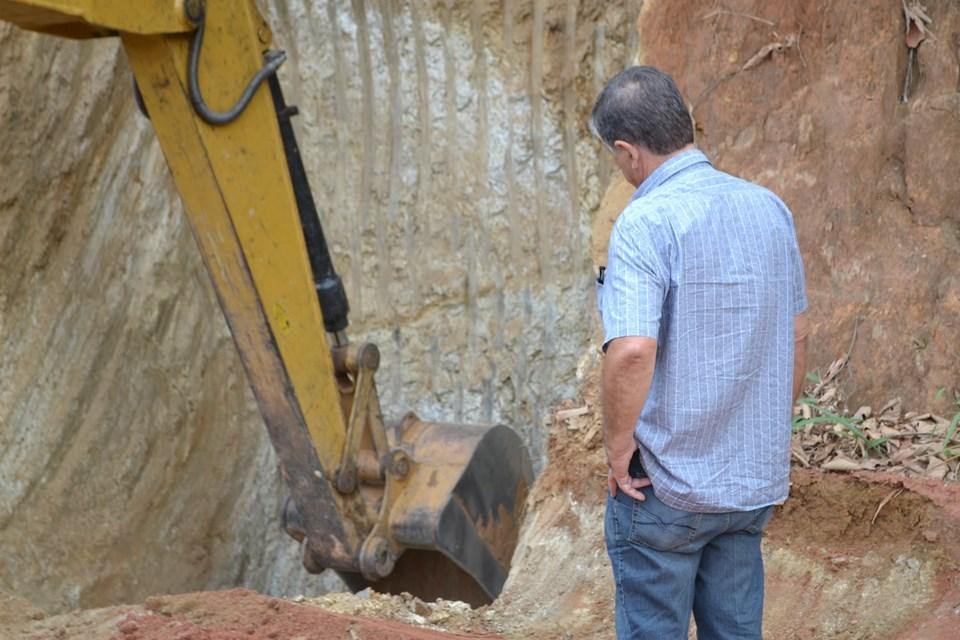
431,509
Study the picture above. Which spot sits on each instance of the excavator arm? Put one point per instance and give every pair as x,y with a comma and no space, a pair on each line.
422,507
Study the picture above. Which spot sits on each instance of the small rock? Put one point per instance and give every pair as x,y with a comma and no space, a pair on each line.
438,617
128,627
911,563
421,608
157,604
930,535
416,619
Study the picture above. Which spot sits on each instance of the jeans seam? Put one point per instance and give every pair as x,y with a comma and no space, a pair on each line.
619,569
695,529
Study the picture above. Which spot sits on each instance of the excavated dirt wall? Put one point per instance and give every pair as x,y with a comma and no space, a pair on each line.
446,147
805,98
445,144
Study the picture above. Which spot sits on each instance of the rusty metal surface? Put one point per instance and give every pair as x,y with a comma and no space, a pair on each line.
463,497
428,575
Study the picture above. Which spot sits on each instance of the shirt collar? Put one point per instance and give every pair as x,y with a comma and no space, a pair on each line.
668,169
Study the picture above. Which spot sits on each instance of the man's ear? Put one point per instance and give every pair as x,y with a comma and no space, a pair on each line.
632,150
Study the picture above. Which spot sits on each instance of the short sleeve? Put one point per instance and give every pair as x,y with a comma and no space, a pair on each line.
635,283
798,281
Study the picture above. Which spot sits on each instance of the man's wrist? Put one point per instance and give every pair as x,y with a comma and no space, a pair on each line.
619,444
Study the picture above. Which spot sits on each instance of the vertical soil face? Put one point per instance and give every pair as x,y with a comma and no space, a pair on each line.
446,144
446,148
804,98
132,458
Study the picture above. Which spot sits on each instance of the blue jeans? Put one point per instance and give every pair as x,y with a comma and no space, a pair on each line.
668,563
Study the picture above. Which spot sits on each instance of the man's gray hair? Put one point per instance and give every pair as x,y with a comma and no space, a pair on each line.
642,106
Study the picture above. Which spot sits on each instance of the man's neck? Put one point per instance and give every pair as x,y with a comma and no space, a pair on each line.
653,161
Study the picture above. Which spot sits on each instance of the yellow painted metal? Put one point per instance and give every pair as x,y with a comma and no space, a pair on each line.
95,18
454,492
248,180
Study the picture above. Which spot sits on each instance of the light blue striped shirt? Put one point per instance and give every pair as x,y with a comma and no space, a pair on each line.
708,265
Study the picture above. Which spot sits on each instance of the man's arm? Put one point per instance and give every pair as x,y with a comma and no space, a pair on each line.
801,329
625,382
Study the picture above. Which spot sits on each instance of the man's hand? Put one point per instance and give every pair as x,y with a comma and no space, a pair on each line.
618,477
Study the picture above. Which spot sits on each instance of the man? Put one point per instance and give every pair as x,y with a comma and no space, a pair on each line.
702,303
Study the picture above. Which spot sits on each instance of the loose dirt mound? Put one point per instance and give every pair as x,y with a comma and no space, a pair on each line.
850,556
223,615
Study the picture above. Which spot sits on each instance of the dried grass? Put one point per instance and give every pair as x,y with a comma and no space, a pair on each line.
889,440
825,434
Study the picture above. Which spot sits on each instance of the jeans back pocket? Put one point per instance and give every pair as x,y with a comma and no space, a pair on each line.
655,525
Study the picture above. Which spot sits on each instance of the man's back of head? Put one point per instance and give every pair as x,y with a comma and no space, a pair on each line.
643,106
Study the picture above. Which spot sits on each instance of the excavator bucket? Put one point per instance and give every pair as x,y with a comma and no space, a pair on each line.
455,514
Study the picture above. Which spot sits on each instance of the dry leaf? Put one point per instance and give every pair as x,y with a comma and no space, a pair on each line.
767,50
565,414
936,468
798,454
830,394
917,20
903,454
589,440
891,405
862,413
841,463
890,496
925,427
915,466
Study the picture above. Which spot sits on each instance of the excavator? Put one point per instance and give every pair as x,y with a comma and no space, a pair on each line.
403,505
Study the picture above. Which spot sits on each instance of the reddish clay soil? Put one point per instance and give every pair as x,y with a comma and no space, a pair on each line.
221,615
